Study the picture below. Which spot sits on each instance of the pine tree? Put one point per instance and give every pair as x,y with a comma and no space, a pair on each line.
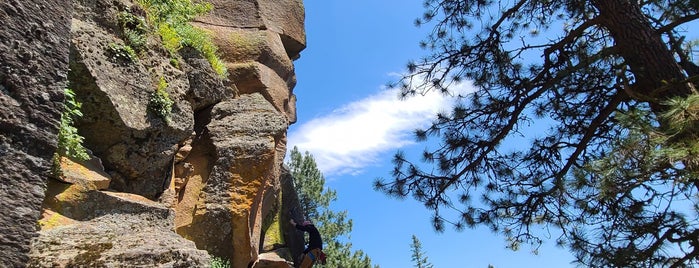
309,182
418,257
315,198
583,119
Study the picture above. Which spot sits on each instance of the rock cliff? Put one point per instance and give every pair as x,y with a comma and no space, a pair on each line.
33,68
174,185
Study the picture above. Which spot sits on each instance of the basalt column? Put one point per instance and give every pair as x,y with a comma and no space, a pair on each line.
34,40
233,187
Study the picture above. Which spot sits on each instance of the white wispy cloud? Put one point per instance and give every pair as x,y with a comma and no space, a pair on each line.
352,136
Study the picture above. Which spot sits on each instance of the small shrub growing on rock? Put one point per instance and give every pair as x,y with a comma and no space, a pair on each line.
218,262
122,53
199,40
171,19
70,143
135,39
134,29
160,102
171,39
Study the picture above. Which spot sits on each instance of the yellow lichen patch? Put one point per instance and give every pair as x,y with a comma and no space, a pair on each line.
60,195
273,236
243,193
132,197
238,45
191,173
85,174
50,219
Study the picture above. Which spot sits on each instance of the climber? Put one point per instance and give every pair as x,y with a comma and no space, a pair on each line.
314,251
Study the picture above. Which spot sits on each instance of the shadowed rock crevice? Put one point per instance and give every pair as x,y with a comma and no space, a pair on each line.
191,175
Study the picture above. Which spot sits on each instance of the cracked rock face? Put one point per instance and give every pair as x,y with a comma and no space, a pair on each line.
259,39
229,184
159,191
226,216
135,145
33,67
116,240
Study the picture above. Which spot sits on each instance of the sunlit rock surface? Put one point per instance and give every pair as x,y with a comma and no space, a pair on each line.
205,182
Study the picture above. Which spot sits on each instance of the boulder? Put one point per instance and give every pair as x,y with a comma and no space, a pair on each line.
82,204
33,65
243,45
274,259
85,227
278,235
293,239
206,88
254,77
227,217
136,145
285,18
88,174
234,13
116,240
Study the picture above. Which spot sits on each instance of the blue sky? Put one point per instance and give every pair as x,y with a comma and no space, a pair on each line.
353,125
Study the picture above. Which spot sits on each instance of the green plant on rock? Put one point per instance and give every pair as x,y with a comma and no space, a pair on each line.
171,39
160,102
218,262
174,12
135,39
122,53
171,19
200,40
70,143
134,29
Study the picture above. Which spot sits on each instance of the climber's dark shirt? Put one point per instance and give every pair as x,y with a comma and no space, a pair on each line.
314,240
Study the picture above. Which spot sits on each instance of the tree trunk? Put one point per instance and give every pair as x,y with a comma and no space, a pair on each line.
641,46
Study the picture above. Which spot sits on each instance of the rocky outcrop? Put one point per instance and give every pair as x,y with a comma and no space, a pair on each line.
259,39
227,217
86,174
87,227
136,145
274,259
285,18
290,203
116,240
229,184
160,190
33,67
